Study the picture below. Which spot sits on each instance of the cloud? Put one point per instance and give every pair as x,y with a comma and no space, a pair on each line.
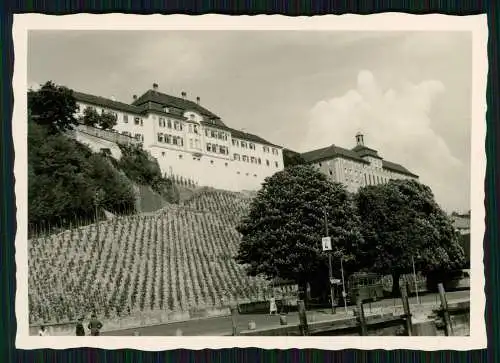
397,123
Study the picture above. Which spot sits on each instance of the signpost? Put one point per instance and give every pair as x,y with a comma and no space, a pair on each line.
327,247
327,243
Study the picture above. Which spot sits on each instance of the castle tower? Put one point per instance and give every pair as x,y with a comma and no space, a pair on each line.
359,139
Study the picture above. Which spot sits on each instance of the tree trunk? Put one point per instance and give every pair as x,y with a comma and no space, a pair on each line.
396,292
302,284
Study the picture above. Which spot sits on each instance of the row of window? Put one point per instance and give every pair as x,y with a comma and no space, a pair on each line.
168,123
375,179
226,164
194,144
252,159
137,120
267,149
251,146
220,135
220,149
193,129
244,144
170,139
178,125
138,137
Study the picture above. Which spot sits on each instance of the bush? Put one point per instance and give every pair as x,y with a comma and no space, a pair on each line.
141,168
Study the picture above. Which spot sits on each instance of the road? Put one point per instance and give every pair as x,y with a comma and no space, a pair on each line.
223,325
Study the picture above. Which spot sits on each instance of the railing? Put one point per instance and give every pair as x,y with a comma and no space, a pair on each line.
112,136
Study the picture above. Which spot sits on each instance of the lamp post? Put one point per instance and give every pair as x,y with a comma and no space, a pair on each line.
329,249
415,279
344,294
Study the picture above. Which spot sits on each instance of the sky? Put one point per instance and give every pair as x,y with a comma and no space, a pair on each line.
409,93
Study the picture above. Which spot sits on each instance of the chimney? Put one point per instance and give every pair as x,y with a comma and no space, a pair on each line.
155,86
134,97
183,94
198,100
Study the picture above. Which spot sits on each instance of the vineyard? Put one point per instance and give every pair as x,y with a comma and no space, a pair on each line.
176,259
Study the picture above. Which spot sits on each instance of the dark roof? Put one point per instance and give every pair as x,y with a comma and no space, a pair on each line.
397,168
250,137
362,151
152,98
291,152
333,151
155,101
216,125
105,102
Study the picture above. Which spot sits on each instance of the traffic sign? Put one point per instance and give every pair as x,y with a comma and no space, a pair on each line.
327,243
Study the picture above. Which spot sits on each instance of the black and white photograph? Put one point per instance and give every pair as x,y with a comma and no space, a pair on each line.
203,180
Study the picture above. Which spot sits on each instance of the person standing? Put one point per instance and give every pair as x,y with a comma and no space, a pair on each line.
272,306
43,331
95,325
80,330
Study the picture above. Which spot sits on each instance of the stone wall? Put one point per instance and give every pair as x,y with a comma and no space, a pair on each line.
151,319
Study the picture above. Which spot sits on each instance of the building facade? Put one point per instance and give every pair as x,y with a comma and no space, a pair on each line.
190,141
461,222
356,167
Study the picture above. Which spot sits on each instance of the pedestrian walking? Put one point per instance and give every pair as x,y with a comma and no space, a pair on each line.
272,306
80,330
95,325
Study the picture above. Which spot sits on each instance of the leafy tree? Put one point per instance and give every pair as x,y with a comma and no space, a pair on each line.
91,117
107,121
63,176
401,221
140,167
281,235
53,106
291,158
118,194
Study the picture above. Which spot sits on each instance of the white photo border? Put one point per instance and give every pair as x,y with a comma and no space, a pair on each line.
477,25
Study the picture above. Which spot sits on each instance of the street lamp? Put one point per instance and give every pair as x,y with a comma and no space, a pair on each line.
415,279
344,294
327,246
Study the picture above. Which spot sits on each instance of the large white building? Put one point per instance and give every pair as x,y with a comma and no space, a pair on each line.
191,142
356,167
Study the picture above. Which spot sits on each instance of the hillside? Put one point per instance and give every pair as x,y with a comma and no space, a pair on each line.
178,258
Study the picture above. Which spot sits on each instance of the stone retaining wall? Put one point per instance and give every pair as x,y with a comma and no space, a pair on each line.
154,318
